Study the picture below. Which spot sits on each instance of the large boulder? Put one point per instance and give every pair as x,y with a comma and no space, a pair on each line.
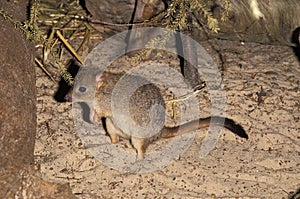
18,114
18,91
263,21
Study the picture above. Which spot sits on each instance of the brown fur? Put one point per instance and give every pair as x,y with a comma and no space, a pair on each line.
140,103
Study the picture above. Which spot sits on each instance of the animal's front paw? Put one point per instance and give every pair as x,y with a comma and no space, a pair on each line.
115,139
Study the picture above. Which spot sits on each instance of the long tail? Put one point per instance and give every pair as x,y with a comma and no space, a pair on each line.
237,129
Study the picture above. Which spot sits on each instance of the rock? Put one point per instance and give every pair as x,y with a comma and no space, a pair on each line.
264,21
23,183
18,114
18,91
111,11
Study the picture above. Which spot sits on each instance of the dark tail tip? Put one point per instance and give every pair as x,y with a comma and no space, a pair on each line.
235,128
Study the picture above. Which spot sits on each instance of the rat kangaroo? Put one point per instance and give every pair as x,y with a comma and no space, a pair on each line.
142,118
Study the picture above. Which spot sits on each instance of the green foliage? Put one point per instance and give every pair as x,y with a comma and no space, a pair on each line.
212,22
177,15
155,43
225,14
31,30
62,15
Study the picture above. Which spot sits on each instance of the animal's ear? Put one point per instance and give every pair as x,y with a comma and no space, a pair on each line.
100,79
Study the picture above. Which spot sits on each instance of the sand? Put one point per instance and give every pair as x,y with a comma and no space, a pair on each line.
262,84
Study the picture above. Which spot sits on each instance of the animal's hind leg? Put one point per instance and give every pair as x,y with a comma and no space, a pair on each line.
113,131
140,144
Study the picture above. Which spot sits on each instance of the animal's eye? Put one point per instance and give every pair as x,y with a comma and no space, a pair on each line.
82,89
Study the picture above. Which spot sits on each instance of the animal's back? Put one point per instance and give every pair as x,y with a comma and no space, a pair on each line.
135,104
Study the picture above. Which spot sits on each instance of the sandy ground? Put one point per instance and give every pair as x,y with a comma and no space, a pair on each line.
262,85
